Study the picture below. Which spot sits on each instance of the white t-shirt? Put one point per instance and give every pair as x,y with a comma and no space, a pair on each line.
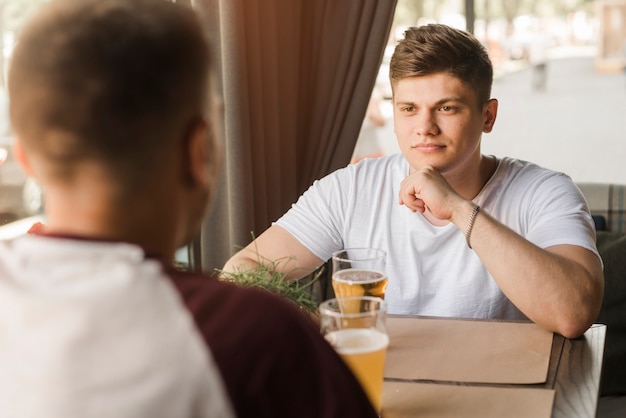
94,330
431,270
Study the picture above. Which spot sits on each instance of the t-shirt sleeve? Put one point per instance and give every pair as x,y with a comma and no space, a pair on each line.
559,215
317,218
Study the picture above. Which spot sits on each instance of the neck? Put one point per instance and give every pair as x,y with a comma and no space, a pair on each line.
468,183
100,216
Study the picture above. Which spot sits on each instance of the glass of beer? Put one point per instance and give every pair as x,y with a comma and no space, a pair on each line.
359,272
360,338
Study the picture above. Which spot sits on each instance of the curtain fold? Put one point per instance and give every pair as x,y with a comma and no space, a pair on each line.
296,77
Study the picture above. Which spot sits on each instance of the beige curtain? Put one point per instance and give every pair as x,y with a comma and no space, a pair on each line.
296,78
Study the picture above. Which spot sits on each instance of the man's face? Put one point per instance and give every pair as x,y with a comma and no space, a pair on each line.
438,122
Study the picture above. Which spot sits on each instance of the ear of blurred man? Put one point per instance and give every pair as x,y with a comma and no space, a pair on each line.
22,157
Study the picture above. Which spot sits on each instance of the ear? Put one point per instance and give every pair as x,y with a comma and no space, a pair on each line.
490,111
202,154
21,157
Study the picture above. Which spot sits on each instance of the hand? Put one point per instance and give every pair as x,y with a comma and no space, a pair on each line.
427,189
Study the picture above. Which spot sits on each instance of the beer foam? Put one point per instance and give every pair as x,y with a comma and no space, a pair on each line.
358,276
358,340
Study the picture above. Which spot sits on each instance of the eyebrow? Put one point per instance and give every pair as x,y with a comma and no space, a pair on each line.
437,103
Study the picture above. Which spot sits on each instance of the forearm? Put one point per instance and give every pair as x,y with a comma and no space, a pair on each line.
250,259
277,250
559,288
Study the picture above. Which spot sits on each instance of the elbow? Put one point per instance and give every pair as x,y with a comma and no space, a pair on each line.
229,267
579,321
585,308
574,324
574,330
239,263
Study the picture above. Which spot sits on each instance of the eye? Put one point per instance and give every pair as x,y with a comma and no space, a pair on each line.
407,108
446,108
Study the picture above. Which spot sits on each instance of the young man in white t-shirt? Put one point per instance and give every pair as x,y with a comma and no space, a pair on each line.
466,234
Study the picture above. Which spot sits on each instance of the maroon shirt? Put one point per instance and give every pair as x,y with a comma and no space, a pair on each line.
273,359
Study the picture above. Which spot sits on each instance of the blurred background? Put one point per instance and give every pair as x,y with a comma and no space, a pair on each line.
20,196
559,77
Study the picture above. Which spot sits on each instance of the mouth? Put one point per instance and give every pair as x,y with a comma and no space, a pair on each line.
429,147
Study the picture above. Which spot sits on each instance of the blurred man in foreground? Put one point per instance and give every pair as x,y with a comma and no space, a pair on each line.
109,101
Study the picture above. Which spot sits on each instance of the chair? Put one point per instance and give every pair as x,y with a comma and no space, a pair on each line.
607,204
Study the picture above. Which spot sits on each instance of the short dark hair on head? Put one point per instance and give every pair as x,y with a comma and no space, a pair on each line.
437,48
111,80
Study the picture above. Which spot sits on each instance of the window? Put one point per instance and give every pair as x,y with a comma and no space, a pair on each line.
574,123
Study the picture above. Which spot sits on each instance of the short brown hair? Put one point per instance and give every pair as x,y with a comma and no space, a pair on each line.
437,48
113,80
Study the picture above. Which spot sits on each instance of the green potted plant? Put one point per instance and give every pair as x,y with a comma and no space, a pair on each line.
266,276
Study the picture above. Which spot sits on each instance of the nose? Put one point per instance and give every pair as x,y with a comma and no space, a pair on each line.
426,125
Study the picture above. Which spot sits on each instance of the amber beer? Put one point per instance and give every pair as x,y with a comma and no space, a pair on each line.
355,327
363,350
357,282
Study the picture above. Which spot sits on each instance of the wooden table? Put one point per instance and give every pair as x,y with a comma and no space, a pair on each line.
573,373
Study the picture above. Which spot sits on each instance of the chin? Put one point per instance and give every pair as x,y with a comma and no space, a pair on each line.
416,163
438,160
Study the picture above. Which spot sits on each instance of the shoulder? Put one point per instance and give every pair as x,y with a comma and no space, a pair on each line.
520,184
544,205
234,320
524,173
264,346
109,295
209,298
230,316
514,165
388,163
364,175
370,170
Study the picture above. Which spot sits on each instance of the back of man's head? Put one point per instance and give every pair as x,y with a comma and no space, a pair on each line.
112,81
